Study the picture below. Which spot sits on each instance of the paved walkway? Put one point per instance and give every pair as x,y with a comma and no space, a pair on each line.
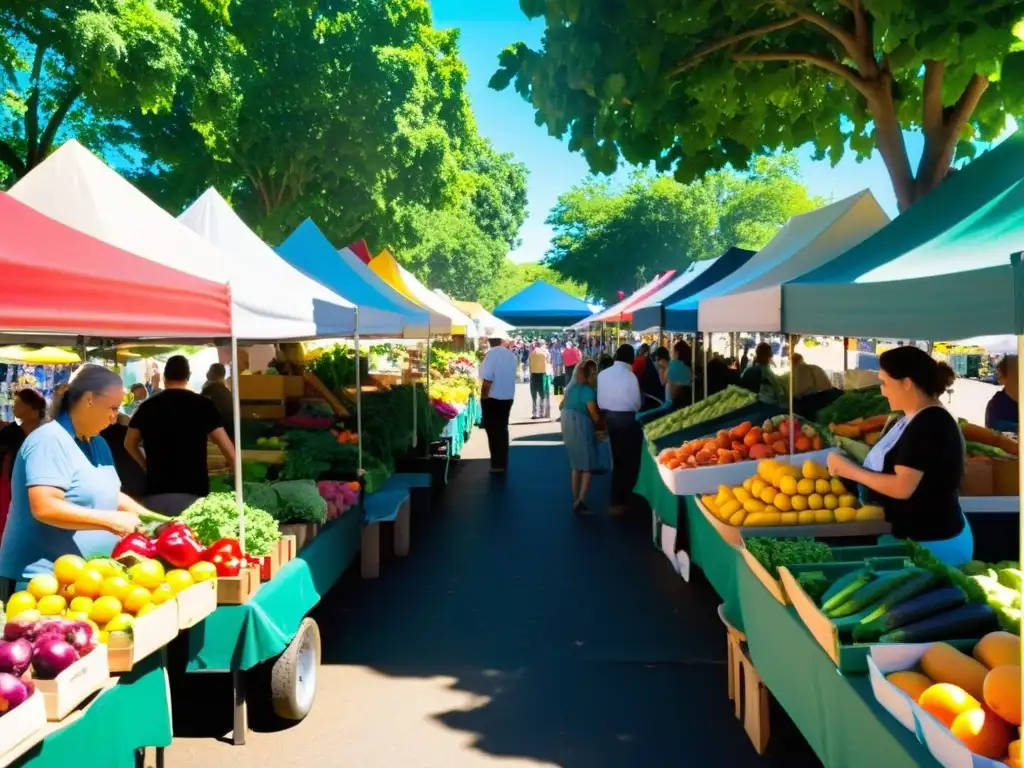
514,634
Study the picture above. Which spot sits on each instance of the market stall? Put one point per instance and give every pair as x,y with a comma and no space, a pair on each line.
399,278
623,310
485,321
61,280
540,305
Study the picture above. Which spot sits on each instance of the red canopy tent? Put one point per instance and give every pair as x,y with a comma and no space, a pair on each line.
58,280
623,311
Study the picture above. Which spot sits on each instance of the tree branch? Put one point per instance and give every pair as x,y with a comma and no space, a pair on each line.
732,40
848,41
32,106
53,124
823,62
10,158
966,104
931,96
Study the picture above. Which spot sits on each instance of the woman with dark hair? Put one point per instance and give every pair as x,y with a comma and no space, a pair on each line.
580,417
759,378
679,374
29,413
66,496
915,469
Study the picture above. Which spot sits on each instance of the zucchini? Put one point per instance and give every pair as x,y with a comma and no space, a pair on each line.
922,581
964,622
843,587
872,593
917,599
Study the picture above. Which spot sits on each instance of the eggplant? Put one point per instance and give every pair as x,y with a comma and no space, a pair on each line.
964,622
909,611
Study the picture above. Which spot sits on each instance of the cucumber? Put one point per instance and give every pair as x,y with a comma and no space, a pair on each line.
871,593
843,587
965,622
922,581
917,599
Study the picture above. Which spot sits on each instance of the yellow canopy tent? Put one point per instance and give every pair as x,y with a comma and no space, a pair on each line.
38,356
441,312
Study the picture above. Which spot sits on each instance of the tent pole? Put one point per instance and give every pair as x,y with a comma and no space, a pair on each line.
427,388
1020,415
846,354
359,402
792,421
236,417
693,377
415,432
707,343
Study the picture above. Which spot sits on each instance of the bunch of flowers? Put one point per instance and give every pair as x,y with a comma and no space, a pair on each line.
444,410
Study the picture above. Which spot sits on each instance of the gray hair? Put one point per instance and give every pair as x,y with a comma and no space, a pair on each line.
88,378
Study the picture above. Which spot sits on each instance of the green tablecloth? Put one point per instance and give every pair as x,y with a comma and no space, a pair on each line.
459,428
475,412
650,486
838,715
133,714
241,636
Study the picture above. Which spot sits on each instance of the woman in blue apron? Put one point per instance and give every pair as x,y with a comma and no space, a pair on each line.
66,495
914,471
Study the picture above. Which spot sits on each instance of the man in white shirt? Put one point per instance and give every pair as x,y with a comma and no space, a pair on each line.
498,390
618,397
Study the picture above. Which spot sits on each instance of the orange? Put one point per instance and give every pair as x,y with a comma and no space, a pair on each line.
116,586
52,605
148,574
983,732
67,568
137,599
179,580
203,572
89,583
19,602
43,585
105,567
105,609
945,702
83,604
162,594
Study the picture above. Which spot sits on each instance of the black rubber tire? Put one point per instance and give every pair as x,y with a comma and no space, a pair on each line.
284,677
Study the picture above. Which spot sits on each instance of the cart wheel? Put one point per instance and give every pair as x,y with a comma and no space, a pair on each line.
293,677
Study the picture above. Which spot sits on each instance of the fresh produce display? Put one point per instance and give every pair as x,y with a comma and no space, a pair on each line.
985,436
772,552
868,430
14,691
215,517
46,646
742,442
273,443
978,698
854,404
104,593
728,400
299,501
784,494
444,410
346,437
340,497
336,367
1000,585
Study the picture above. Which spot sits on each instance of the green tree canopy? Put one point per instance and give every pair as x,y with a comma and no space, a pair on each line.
514,277
77,67
694,86
614,238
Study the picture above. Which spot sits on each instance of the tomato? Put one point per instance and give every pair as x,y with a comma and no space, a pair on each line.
83,604
67,568
105,609
88,584
116,586
137,599
179,580
162,594
203,571
148,574
43,585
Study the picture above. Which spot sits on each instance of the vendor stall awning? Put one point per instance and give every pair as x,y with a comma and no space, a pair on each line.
57,280
542,306
959,284
749,298
399,278
623,311
698,276
74,187
388,313
251,261
488,324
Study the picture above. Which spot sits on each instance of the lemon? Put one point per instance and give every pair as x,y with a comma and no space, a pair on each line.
115,586
837,486
747,483
814,501
162,594
831,502
788,485
83,604
67,568
845,515
43,585
105,609
754,505
848,500
824,517
799,503
137,599
20,602
756,487
148,574
52,605
807,517
822,487
782,502
120,623
805,487
789,518
768,494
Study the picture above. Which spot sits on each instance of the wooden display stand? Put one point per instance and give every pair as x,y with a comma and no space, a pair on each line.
751,698
236,590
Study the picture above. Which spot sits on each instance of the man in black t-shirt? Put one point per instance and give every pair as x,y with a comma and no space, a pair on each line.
167,436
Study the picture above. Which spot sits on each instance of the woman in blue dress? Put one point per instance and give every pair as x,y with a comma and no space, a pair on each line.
580,417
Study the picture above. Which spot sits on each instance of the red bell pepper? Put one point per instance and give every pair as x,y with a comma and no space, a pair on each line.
229,547
135,544
177,544
226,565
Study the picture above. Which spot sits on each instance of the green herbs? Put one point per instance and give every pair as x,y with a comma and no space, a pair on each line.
216,517
814,583
254,471
857,403
728,400
299,501
771,553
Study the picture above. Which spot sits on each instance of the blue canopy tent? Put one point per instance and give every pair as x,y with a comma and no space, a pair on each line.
309,251
542,306
698,276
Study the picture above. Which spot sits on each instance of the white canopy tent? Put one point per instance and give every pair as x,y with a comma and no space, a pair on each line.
249,259
750,299
76,188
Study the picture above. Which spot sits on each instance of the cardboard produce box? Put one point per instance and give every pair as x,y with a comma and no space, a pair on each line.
700,480
149,634
22,728
75,684
196,603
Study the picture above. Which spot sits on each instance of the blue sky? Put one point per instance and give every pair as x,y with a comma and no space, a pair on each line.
488,26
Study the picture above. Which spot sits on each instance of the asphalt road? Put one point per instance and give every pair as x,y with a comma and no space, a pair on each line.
514,634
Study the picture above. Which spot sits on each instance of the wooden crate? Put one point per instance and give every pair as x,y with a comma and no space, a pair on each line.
196,603
286,549
149,634
303,533
270,388
75,684
270,564
264,456
236,590
22,728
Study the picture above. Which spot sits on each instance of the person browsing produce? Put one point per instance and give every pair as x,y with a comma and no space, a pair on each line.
167,436
914,471
1001,411
497,391
30,413
618,397
580,417
218,393
66,494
